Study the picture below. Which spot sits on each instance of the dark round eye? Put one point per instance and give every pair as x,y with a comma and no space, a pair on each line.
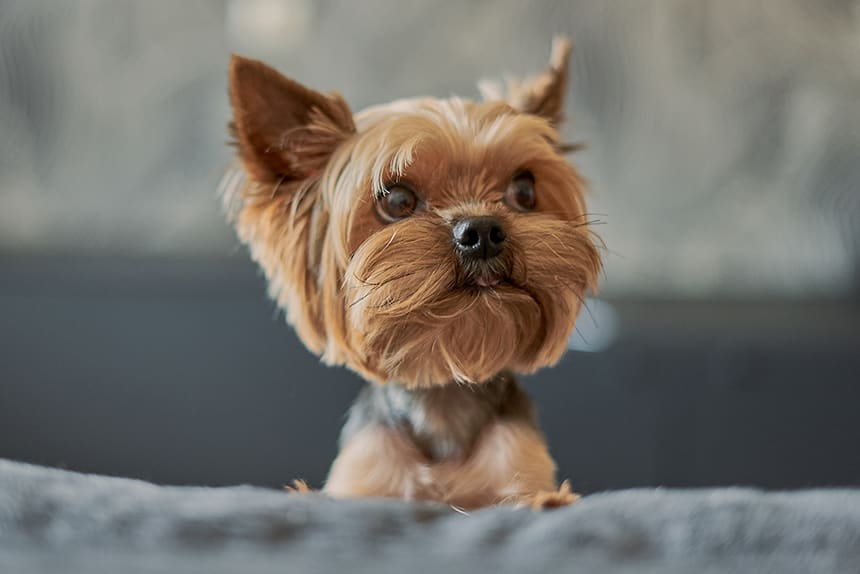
400,202
521,192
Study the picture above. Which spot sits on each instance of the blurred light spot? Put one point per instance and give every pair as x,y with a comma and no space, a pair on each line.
268,25
596,327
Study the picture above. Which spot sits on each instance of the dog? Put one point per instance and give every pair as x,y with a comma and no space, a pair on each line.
435,247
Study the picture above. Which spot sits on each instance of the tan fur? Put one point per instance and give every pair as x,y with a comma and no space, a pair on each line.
390,301
509,464
340,275
380,462
510,461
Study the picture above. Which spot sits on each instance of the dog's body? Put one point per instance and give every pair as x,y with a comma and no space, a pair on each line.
432,246
469,446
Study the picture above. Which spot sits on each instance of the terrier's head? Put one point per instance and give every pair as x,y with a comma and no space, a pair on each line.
422,241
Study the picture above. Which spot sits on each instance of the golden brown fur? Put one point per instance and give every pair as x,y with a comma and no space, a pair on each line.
509,464
392,301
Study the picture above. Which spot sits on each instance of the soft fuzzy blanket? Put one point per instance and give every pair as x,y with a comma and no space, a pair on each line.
58,521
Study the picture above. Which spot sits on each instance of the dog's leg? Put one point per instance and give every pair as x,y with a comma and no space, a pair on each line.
379,461
510,464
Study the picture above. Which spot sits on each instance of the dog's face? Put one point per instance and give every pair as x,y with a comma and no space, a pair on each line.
423,241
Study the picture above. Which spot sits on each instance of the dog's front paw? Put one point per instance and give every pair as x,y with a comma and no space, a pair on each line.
298,486
543,499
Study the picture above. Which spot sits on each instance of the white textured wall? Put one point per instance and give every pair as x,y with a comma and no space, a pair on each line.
724,135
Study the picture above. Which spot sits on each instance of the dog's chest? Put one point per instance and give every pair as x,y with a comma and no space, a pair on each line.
443,422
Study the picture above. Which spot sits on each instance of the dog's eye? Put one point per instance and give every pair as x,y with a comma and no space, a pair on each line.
521,192
400,202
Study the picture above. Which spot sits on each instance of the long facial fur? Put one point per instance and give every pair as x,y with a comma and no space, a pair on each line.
391,301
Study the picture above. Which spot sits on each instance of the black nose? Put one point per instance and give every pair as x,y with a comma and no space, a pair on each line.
479,237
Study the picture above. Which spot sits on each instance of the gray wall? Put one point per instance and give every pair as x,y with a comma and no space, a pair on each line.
724,135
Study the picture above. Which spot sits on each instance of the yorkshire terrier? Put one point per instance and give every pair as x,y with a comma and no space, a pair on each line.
433,246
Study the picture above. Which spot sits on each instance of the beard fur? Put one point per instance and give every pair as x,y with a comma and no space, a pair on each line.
414,321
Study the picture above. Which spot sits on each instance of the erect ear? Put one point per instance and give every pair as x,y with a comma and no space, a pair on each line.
285,131
543,94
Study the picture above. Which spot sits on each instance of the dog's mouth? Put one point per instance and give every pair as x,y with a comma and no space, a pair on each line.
487,280
486,275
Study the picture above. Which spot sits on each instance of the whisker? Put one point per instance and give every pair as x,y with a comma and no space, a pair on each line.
374,287
589,223
362,298
581,336
387,245
367,282
587,310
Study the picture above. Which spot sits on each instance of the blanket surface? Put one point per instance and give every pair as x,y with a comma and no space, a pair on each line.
59,521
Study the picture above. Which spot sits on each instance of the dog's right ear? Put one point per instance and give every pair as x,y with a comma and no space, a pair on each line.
285,132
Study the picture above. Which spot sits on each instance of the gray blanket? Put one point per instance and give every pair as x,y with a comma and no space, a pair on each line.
58,521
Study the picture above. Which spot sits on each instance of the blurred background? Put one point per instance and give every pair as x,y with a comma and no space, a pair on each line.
723,152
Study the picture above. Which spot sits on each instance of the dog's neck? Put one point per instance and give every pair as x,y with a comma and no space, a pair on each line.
445,421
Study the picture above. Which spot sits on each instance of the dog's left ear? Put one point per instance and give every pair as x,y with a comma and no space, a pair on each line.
285,131
542,95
